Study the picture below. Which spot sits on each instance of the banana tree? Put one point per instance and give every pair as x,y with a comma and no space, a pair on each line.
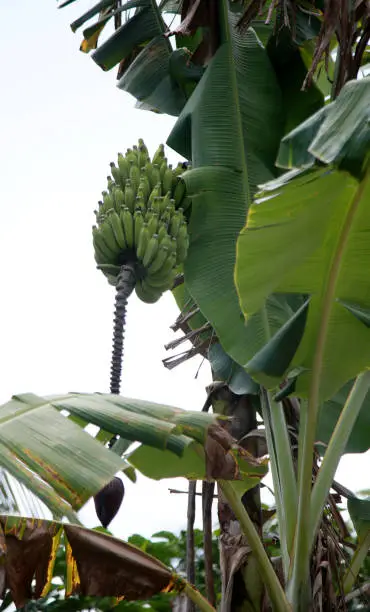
282,307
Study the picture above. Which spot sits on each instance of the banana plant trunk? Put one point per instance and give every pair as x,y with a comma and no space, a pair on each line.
242,587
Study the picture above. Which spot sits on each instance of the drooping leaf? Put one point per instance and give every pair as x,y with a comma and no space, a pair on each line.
28,551
100,6
338,133
142,27
293,151
107,566
27,425
97,565
161,79
310,236
35,436
91,38
148,79
344,135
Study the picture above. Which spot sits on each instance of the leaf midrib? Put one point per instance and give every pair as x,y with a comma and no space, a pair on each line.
333,276
28,408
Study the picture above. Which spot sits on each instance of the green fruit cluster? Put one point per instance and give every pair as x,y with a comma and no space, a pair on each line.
140,219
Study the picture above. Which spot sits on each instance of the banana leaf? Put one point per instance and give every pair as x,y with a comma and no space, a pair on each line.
339,133
149,69
306,233
225,369
64,466
231,129
310,236
97,565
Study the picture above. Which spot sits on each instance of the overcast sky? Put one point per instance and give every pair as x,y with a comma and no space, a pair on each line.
62,122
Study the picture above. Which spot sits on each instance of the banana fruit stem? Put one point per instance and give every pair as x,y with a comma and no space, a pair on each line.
125,285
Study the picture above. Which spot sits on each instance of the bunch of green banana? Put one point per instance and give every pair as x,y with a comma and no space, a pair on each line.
141,219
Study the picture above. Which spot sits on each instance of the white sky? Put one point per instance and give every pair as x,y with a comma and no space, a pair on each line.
62,120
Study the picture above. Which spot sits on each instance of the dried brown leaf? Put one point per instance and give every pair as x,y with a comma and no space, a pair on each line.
109,567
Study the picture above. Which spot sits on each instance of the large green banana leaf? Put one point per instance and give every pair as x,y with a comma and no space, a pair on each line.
97,564
64,466
231,129
308,234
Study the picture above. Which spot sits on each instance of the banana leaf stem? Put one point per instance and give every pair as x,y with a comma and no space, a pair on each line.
276,481
336,448
193,594
275,590
287,477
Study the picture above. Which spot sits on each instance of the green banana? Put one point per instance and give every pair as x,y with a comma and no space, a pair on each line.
140,204
119,199
166,216
162,168
129,196
166,201
142,147
165,269
175,223
158,156
115,221
179,169
167,180
116,174
108,201
152,220
142,156
106,231
110,184
127,222
156,176
134,176
182,241
103,254
146,294
151,250
156,205
143,241
124,168
109,269
162,231
145,183
159,259
162,281
179,192
166,241
138,224
155,193
131,156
